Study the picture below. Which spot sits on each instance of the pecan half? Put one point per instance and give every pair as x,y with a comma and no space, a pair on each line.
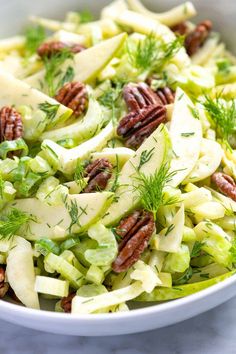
11,127
66,302
197,37
135,231
3,286
180,29
136,126
165,95
138,96
99,172
73,95
50,48
225,183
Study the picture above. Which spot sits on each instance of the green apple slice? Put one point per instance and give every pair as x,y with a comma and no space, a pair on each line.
80,130
170,18
65,160
88,63
20,95
118,155
186,138
56,222
20,272
210,158
126,196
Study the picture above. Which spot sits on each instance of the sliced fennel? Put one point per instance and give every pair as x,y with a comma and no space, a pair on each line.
20,272
51,286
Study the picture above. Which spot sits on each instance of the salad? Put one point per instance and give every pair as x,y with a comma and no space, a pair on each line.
117,159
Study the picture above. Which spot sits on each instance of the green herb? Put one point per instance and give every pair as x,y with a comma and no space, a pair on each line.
145,157
75,213
151,54
46,246
169,229
79,174
85,16
224,66
1,186
50,110
194,112
110,98
55,77
196,249
184,277
11,223
115,183
150,188
186,135
34,37
223,115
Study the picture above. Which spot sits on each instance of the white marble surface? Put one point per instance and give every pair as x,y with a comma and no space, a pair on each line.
211,333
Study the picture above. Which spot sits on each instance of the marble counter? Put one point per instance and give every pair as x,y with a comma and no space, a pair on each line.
211,333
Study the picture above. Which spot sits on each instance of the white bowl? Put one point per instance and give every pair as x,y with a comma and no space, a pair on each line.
13,16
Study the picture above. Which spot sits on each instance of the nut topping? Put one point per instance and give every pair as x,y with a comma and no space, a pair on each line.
66,302
73,95
225,183
50,48
136,126
135,231
165,95
196,38
3,286
180,29
138,96
11,127
99,172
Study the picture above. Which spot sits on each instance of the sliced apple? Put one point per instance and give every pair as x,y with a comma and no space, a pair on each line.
65,160
210,158
80,130
126,196
20,272
18,93
55,222
186,138
88,63
170,18
118,155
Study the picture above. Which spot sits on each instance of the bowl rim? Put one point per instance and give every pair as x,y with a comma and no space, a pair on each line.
155,309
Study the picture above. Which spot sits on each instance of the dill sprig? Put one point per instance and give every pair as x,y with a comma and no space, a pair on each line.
11,223
34,37
223,116
150,188
151,54
85,16
49,109
55,77
1,186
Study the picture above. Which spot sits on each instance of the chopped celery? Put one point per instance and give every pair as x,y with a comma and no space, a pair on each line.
91,290
215,242
69,243
177,262
95,275
67,271
107,248
8,146
41,166
46,246
51,286
164,294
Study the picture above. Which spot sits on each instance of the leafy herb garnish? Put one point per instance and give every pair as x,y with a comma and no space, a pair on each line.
169,229
196,249
184,277
145,157
34,37
55,77
151,54
11,223
49,109
85,16
150,188
186,135
1,186
111,96
223,116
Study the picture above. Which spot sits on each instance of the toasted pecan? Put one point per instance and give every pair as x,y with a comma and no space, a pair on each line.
225,184
135,231
99,172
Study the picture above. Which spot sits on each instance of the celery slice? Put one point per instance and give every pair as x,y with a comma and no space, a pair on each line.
51,286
